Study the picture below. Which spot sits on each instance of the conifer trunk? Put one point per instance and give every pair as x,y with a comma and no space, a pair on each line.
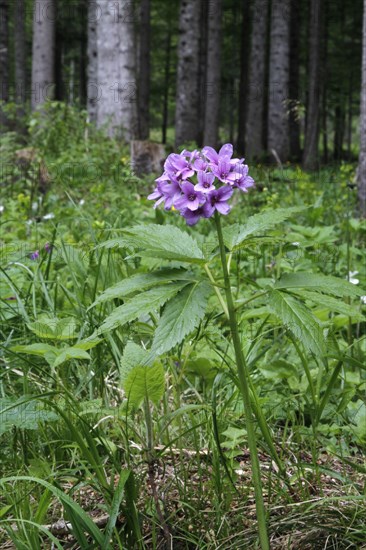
43,52
278,123
257,81
310,159
212,87
187,98
362,159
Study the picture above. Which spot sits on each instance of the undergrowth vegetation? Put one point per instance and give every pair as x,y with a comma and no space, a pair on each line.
121,421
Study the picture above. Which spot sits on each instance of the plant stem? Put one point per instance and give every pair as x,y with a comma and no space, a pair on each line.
243,377
218,293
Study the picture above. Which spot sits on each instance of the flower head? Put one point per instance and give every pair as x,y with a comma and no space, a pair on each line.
200,183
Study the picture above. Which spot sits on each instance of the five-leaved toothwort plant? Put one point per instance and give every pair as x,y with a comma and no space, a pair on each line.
199,184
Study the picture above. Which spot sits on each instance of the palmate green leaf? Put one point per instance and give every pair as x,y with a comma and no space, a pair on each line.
236,235
141,304
145,382
320,283
299,320
142,281
164,241
181,315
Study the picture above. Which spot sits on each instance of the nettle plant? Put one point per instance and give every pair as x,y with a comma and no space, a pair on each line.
177,295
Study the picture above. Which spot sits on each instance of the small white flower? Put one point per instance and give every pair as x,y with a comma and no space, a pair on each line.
295,244
49,216
363,300
351,277
34,206
81,202
2,208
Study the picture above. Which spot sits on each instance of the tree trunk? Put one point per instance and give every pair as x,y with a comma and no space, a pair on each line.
294,117
203,73
116,99
212,87
362,159
257,81
324,64
278,125
144,68
43,52
310,159
244,75
187,99
4,58
19,54
92,67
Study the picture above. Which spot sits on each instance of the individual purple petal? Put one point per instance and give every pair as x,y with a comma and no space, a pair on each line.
199,164
171,192
226,151
156,194
192,217
223,207
211,154
205,181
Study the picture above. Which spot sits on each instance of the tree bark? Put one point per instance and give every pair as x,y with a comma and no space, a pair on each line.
43,52
294,94
187,99
212,87
310,159
144,71
116,68
244,75
92,67
257,81
362,159
4,58
278,124
203,73
19,54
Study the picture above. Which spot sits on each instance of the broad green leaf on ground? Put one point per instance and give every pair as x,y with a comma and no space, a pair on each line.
164,241
333,304
133,356
320,283
145,382
55,329
66,354
25,413
298,319
35,349
236,234
181,315
142,281
141,304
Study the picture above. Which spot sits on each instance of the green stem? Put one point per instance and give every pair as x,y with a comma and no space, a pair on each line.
243,377
218,293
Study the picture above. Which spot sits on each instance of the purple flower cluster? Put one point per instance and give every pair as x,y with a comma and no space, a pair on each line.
198,183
